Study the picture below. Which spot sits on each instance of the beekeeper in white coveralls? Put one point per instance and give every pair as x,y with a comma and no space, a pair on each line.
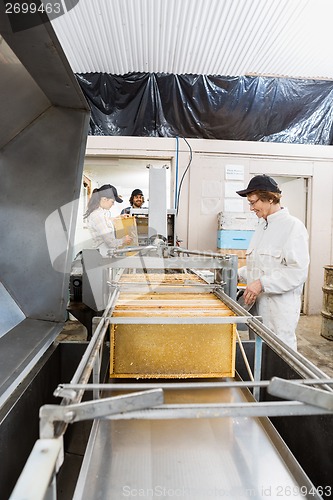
277,260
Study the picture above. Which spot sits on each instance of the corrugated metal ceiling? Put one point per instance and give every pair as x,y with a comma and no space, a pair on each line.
223,37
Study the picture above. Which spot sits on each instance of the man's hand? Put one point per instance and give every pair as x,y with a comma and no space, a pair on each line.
252,291
127,239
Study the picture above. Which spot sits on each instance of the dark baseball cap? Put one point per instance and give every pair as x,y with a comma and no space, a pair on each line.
110,192
136,192
260,183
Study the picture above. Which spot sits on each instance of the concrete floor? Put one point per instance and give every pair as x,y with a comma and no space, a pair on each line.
311,344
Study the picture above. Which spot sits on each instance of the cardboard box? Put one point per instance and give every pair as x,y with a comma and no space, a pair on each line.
241,254
126,226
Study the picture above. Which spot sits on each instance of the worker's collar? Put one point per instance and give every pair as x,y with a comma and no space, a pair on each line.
276,215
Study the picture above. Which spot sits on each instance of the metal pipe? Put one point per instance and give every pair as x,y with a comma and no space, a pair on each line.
132,249
42,460
232,304
86,365
176,320
94,344
247,364
304,367
176,386
202,254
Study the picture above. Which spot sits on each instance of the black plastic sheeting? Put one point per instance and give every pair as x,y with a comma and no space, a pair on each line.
210,107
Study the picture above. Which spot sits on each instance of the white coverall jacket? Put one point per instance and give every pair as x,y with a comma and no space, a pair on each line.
102,231
278,255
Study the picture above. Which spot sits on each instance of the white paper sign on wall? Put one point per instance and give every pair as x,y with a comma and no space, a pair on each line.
234,172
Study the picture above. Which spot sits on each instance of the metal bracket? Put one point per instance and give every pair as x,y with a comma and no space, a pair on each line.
290,390
49,414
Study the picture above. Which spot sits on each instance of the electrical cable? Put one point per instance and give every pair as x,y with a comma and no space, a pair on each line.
177,167
185,172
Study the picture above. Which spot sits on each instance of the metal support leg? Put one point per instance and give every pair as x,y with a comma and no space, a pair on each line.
257,365
97,372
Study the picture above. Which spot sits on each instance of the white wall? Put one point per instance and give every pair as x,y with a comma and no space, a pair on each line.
203,190
125,174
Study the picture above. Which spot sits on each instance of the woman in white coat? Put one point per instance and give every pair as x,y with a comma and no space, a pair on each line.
277,260
100,222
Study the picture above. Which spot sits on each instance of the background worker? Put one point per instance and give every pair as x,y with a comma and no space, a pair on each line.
136,201
99,219
277,260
